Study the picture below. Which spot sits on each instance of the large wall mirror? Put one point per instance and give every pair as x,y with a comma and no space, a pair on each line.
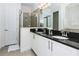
56,16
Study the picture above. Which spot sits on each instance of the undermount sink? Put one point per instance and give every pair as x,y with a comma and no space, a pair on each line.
40,32
59,37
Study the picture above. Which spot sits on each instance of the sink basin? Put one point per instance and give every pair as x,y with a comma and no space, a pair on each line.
59,37
40,32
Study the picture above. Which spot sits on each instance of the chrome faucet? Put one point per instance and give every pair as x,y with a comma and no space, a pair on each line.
64,33
36,29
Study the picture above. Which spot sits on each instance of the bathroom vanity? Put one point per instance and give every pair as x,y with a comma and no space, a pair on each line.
46,45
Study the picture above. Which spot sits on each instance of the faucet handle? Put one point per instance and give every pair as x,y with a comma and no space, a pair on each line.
50,32
64,33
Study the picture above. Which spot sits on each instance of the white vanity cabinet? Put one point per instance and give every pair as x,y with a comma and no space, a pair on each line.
45,47
41,45
59,49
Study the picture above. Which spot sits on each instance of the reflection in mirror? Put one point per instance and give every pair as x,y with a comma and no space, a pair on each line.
26,20
41,23
33,21
56,20
47,21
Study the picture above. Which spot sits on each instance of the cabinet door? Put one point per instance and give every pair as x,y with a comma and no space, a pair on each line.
41,45
59,49
77,52
44,46
35,43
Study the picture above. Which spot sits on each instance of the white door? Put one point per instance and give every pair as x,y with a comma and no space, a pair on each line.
9,20
10,23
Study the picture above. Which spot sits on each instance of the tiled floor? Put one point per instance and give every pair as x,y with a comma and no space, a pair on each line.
4,52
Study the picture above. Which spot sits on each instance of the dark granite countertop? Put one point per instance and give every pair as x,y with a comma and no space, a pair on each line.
67,42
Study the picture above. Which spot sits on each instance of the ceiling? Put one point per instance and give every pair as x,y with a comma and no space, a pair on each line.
32,5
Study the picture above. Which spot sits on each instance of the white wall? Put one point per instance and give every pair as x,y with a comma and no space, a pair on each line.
69,16
62,18
72,16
